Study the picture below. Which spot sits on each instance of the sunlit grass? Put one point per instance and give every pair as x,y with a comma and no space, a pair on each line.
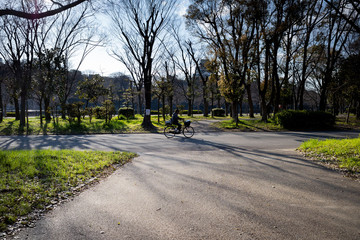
30,179
345,152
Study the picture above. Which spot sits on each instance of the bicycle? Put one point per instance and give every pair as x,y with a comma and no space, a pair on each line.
170,130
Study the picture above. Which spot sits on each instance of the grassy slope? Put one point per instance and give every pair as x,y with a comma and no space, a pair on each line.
31,179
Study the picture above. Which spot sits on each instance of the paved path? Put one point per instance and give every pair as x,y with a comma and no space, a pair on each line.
213,186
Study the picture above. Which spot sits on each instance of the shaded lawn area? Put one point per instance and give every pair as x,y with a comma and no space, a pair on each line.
246,124
96,126
32,179
255,124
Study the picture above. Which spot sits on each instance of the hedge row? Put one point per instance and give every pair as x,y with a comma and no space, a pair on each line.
297,120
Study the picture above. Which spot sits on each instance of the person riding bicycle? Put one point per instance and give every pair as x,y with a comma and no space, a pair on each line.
175,120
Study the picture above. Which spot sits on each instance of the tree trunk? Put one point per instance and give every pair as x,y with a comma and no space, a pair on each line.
163,106
234,111
264,112
323,93
40,109
139,106
206,107
303,73
171,104
147,116
23,108
205,98
63,110
17,108
348,113
240,104
158,109
250,101
47,109
190,107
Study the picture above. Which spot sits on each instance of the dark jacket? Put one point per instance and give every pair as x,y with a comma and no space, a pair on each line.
175,118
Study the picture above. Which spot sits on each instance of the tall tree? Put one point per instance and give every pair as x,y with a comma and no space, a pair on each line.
139,24
203,74
313,16
91,88
60,37
334,35
350,12
19,53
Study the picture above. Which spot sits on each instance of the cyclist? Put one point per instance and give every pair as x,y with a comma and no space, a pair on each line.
175,120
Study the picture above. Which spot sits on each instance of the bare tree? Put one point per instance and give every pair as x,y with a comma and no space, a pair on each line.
18,50
69,33
223,25
334,36
202,73
349,11
138,25
184,63
136,73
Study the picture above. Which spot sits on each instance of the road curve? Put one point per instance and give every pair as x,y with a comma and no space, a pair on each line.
249,185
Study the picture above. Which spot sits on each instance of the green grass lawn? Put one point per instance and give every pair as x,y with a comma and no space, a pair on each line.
344,153
247,124
11,127
32,179
60,126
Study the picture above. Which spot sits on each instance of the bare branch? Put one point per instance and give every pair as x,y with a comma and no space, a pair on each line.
21,14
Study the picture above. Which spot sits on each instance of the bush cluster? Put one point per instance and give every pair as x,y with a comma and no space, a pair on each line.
302,119
218,112
99,112
127,112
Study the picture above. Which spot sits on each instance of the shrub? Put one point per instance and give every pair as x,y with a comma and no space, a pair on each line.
99,112
296,119
10,114
127,112
218,112
75,110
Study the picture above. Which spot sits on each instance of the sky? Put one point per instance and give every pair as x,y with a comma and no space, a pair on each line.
99,61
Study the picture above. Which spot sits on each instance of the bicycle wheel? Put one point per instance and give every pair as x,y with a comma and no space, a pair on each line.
188,132
169,132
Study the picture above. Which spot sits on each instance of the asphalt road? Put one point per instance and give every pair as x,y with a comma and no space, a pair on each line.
249,185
